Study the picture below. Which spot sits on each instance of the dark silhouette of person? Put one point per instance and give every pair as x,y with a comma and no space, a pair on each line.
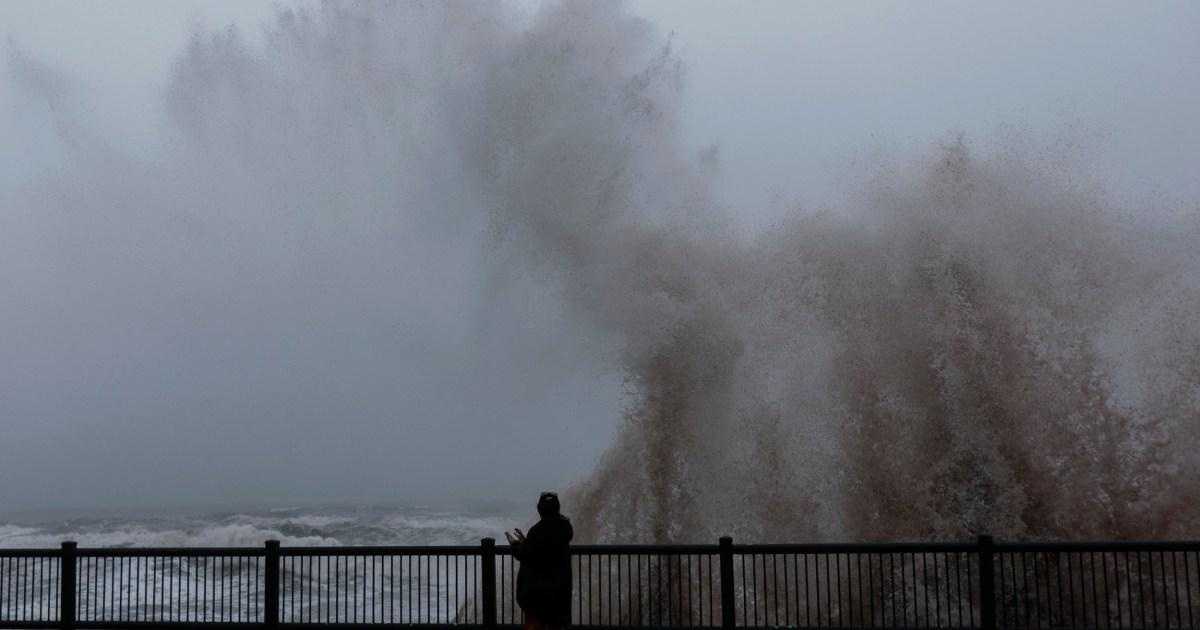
544,579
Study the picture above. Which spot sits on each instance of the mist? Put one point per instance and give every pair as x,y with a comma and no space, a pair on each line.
293,300
454,252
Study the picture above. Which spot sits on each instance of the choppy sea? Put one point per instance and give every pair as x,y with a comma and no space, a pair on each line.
338,526
347,588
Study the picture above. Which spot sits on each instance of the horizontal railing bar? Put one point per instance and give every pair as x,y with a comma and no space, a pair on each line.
174,625
440,550
413,626
817,548
170,552
1002,547
30,553
217,625
500,550
576,626
637,549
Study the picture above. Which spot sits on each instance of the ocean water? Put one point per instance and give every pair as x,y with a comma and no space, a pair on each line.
344,588
307,526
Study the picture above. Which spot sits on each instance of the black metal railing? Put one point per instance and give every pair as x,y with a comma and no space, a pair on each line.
983,584
1117,585
118,587
29,586
380,585
642,586
872,586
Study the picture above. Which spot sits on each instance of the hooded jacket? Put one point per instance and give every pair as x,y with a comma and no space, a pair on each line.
544,580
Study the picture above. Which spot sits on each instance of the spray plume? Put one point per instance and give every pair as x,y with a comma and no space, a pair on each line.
975,343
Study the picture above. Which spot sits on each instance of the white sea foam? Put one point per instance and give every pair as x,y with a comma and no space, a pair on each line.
325,528
17,536
431,584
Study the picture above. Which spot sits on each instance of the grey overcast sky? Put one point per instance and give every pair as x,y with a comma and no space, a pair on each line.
792,90
793,93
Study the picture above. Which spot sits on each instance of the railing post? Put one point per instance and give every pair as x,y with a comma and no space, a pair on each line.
727,612
66,586
987,584
271,585
488,575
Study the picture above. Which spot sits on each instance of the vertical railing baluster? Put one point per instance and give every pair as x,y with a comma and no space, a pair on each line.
488,553
271,585
1187,582
725,548
66,597
987,584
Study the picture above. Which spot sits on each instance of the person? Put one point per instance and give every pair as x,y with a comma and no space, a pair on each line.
544,578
